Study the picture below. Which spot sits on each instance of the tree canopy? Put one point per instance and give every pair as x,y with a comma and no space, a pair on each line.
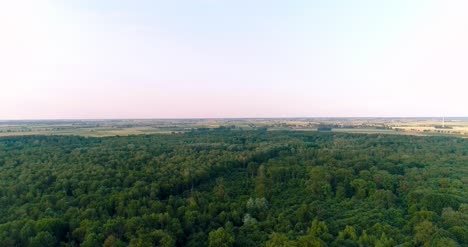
232,187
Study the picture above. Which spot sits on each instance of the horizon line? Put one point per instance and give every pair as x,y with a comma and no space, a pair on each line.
221,118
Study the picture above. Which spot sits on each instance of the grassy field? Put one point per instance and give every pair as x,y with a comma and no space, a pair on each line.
89,129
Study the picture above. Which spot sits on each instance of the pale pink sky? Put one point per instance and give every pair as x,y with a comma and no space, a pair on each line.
194,59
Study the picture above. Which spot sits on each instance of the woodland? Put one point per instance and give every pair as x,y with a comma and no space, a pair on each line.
232,187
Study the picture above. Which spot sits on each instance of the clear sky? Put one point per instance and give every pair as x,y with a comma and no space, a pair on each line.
239,58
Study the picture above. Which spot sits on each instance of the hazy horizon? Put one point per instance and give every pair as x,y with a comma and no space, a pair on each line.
435,118
84,59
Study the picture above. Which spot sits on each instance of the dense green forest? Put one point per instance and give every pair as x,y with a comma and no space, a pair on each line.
231,187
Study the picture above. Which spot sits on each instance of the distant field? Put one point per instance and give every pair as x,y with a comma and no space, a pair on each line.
91,132
103,128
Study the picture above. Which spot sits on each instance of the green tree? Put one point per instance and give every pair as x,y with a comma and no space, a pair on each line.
220,238
112,241
278,240
319,182
43,239
423,232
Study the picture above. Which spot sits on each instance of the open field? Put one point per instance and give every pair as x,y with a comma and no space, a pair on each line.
101,128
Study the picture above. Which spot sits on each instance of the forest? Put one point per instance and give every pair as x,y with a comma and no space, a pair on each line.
232,187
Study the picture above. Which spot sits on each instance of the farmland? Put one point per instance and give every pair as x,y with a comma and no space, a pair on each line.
125,127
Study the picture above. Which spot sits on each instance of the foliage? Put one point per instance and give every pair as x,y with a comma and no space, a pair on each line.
232,187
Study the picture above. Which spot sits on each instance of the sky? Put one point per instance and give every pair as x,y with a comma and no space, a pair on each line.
99,59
